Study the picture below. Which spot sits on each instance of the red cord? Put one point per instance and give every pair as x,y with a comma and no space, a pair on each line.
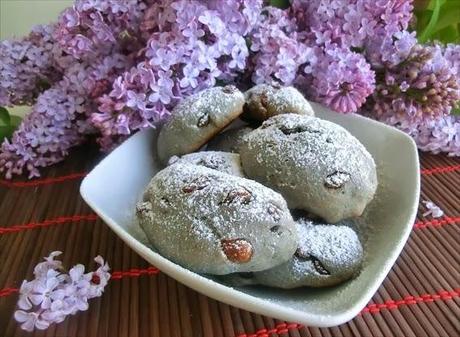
46,181
370,308
442,169
49,222
437,222
278,329
391,304
116,275
8,291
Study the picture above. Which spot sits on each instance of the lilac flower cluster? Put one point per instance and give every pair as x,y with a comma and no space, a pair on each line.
436,135
93,27
422,110
342,80
59,119
424,84
278,53
117,66
190,47
55,294
26,67
351,23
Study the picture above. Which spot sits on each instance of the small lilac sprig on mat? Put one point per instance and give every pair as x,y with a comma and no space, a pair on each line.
432,209
55,293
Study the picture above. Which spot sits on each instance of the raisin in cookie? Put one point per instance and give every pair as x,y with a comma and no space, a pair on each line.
317,166
264,101
226,162
230,140
327,255
198,118
216,223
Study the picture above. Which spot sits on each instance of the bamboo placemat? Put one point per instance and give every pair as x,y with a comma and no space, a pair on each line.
420,296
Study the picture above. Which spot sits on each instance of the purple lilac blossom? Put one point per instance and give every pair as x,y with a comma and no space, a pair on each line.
191,45
53,294
351,23
27,66
342,80
433,134
93,27
277,49
59,119
117,66
425,84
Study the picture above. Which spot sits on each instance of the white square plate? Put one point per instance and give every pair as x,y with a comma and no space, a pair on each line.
115,185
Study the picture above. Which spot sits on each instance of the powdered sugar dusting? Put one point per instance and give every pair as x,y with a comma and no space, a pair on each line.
289,99
336,246
298,155
266,99
221,161
205,100
194,208
327,255
198,118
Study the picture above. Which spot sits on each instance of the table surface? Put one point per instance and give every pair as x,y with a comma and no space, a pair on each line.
420,297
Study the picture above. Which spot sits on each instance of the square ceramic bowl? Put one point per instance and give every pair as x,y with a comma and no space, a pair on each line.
114,186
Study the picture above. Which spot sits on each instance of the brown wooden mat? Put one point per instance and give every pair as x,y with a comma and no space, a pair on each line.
420,297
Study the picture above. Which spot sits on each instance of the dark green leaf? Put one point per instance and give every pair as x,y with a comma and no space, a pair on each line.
283,4
424,35
4,116
448,16
447,35
432,4
6,131
15,120
423,17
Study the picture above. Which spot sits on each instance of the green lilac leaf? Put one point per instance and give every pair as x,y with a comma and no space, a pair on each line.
6,131
424,35
283,4
15,120
4,116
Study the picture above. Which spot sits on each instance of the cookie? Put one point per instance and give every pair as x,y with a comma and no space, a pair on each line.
316,165
226,162
264,101
197,119
230,140
327,255
216,223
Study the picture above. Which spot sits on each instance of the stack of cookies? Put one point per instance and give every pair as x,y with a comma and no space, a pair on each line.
272,202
